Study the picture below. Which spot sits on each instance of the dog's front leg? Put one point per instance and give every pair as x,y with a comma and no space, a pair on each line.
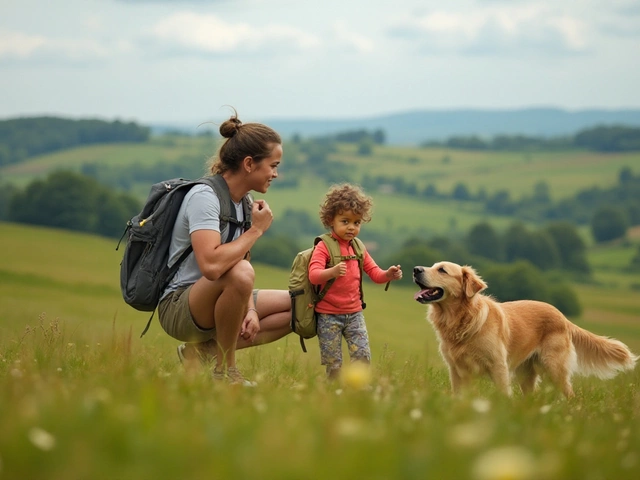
455,379
501,377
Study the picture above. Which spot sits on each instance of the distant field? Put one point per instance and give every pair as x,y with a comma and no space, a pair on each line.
564,172
109,154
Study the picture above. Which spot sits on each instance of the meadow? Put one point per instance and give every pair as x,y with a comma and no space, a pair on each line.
83,397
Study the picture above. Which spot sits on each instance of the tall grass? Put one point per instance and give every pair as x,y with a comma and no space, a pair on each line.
121,408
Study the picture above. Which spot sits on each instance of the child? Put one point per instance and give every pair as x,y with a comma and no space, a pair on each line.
344,209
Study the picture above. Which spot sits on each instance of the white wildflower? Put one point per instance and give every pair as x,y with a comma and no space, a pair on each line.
505,463
349,426
42,439
469,435
481,405
415,414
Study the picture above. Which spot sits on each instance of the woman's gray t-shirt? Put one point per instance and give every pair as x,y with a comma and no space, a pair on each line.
200,210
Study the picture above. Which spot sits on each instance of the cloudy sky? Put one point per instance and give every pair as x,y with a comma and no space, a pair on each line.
183,60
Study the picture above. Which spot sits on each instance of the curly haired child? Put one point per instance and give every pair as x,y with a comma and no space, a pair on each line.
343,211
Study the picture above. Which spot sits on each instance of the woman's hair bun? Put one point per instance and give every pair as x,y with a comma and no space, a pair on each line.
230,127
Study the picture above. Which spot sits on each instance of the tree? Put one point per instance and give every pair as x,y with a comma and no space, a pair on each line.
625,176
537,247
295,223
634,265
461,192
72,201
500,203
277,250
483,240
518,281
7,191
571,247
379,137
523,281
411,256
608,223
64,200
365,147
541,192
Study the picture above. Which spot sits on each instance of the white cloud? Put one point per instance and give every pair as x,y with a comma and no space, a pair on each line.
208,34
20,47
16,45
507,30
345,37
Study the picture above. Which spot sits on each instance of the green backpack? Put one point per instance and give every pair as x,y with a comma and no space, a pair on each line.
304,295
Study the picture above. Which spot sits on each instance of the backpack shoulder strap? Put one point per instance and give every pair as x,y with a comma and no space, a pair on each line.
227,210
359,249
332,246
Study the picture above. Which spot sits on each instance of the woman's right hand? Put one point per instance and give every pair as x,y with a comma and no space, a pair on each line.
262,216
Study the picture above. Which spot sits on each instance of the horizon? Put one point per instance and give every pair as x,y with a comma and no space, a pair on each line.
381,115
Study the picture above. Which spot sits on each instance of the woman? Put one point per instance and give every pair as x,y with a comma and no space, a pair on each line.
211,303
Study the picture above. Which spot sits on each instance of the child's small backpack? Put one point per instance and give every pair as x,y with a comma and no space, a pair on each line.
304,295
144,273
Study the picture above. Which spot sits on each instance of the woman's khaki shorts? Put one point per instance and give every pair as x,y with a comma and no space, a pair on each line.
175,317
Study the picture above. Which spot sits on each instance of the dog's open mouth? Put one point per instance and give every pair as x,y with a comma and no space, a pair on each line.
428,294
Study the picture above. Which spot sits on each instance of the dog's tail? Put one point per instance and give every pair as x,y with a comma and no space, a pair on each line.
603,357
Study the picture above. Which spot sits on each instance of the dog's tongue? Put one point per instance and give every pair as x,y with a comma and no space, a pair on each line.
421,293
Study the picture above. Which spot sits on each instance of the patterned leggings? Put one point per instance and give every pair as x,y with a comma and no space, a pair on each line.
331,328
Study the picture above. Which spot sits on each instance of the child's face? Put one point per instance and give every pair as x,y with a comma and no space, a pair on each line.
346,225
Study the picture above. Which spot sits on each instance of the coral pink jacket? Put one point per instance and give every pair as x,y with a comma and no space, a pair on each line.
344,294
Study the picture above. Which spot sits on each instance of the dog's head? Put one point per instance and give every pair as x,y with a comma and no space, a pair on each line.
444,280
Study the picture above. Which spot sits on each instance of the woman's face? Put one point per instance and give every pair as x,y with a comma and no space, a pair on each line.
266,170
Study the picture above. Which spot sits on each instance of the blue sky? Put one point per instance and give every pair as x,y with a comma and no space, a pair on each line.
181,61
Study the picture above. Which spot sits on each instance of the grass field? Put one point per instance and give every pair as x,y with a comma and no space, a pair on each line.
82,397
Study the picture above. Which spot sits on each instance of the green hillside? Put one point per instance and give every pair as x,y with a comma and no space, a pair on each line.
565,173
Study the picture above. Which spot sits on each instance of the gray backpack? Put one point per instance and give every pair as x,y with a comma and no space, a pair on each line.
144,270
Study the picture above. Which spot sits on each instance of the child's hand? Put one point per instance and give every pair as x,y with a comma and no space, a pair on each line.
340,270
394,272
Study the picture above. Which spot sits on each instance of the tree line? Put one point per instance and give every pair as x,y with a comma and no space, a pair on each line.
615,138
609,211
21,138
71,201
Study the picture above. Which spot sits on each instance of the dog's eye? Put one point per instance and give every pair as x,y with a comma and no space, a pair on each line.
442,270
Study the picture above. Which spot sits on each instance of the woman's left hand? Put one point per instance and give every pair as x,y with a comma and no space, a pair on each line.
250,326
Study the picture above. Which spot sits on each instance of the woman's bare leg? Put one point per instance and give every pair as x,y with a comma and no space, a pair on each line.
274,308
221,304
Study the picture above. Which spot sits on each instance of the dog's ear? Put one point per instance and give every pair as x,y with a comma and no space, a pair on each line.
471,282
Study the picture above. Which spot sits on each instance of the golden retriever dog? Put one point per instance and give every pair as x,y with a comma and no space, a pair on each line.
525,338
